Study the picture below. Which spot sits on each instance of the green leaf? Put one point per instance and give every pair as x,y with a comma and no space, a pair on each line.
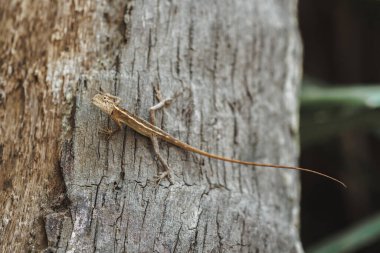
352,239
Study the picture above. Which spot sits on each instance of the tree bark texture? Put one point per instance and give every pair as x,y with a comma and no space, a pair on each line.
233,68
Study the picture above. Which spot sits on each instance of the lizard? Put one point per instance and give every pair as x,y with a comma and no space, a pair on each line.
110,104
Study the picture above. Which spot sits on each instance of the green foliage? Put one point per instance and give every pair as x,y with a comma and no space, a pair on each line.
352,239
326,112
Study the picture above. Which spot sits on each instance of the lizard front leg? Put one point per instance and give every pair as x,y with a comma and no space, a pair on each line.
156,148
109,132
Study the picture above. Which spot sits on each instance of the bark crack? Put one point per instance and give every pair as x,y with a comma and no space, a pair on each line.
149,49
177,239
95,199
191,42
178,57
218,229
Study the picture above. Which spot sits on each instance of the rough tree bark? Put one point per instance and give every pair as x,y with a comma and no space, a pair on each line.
234,69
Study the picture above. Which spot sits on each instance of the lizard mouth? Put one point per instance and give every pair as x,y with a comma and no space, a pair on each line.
95,101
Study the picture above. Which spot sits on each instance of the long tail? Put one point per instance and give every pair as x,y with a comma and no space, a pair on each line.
201,152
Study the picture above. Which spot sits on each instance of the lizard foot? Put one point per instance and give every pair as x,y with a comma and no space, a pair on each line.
106,131
164,102
162,176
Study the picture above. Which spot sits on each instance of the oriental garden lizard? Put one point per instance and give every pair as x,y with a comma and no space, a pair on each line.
110,105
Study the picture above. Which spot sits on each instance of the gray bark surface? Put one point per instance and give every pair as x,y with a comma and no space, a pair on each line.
233,68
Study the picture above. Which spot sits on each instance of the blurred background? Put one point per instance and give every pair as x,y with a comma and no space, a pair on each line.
340,124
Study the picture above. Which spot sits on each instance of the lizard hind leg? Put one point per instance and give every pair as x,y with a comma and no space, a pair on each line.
167,172
152,113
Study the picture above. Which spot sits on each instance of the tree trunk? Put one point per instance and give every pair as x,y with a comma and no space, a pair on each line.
233,68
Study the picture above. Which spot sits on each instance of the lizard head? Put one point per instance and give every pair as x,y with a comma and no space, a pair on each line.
105,102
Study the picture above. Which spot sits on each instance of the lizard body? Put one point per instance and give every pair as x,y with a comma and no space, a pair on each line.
110,105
